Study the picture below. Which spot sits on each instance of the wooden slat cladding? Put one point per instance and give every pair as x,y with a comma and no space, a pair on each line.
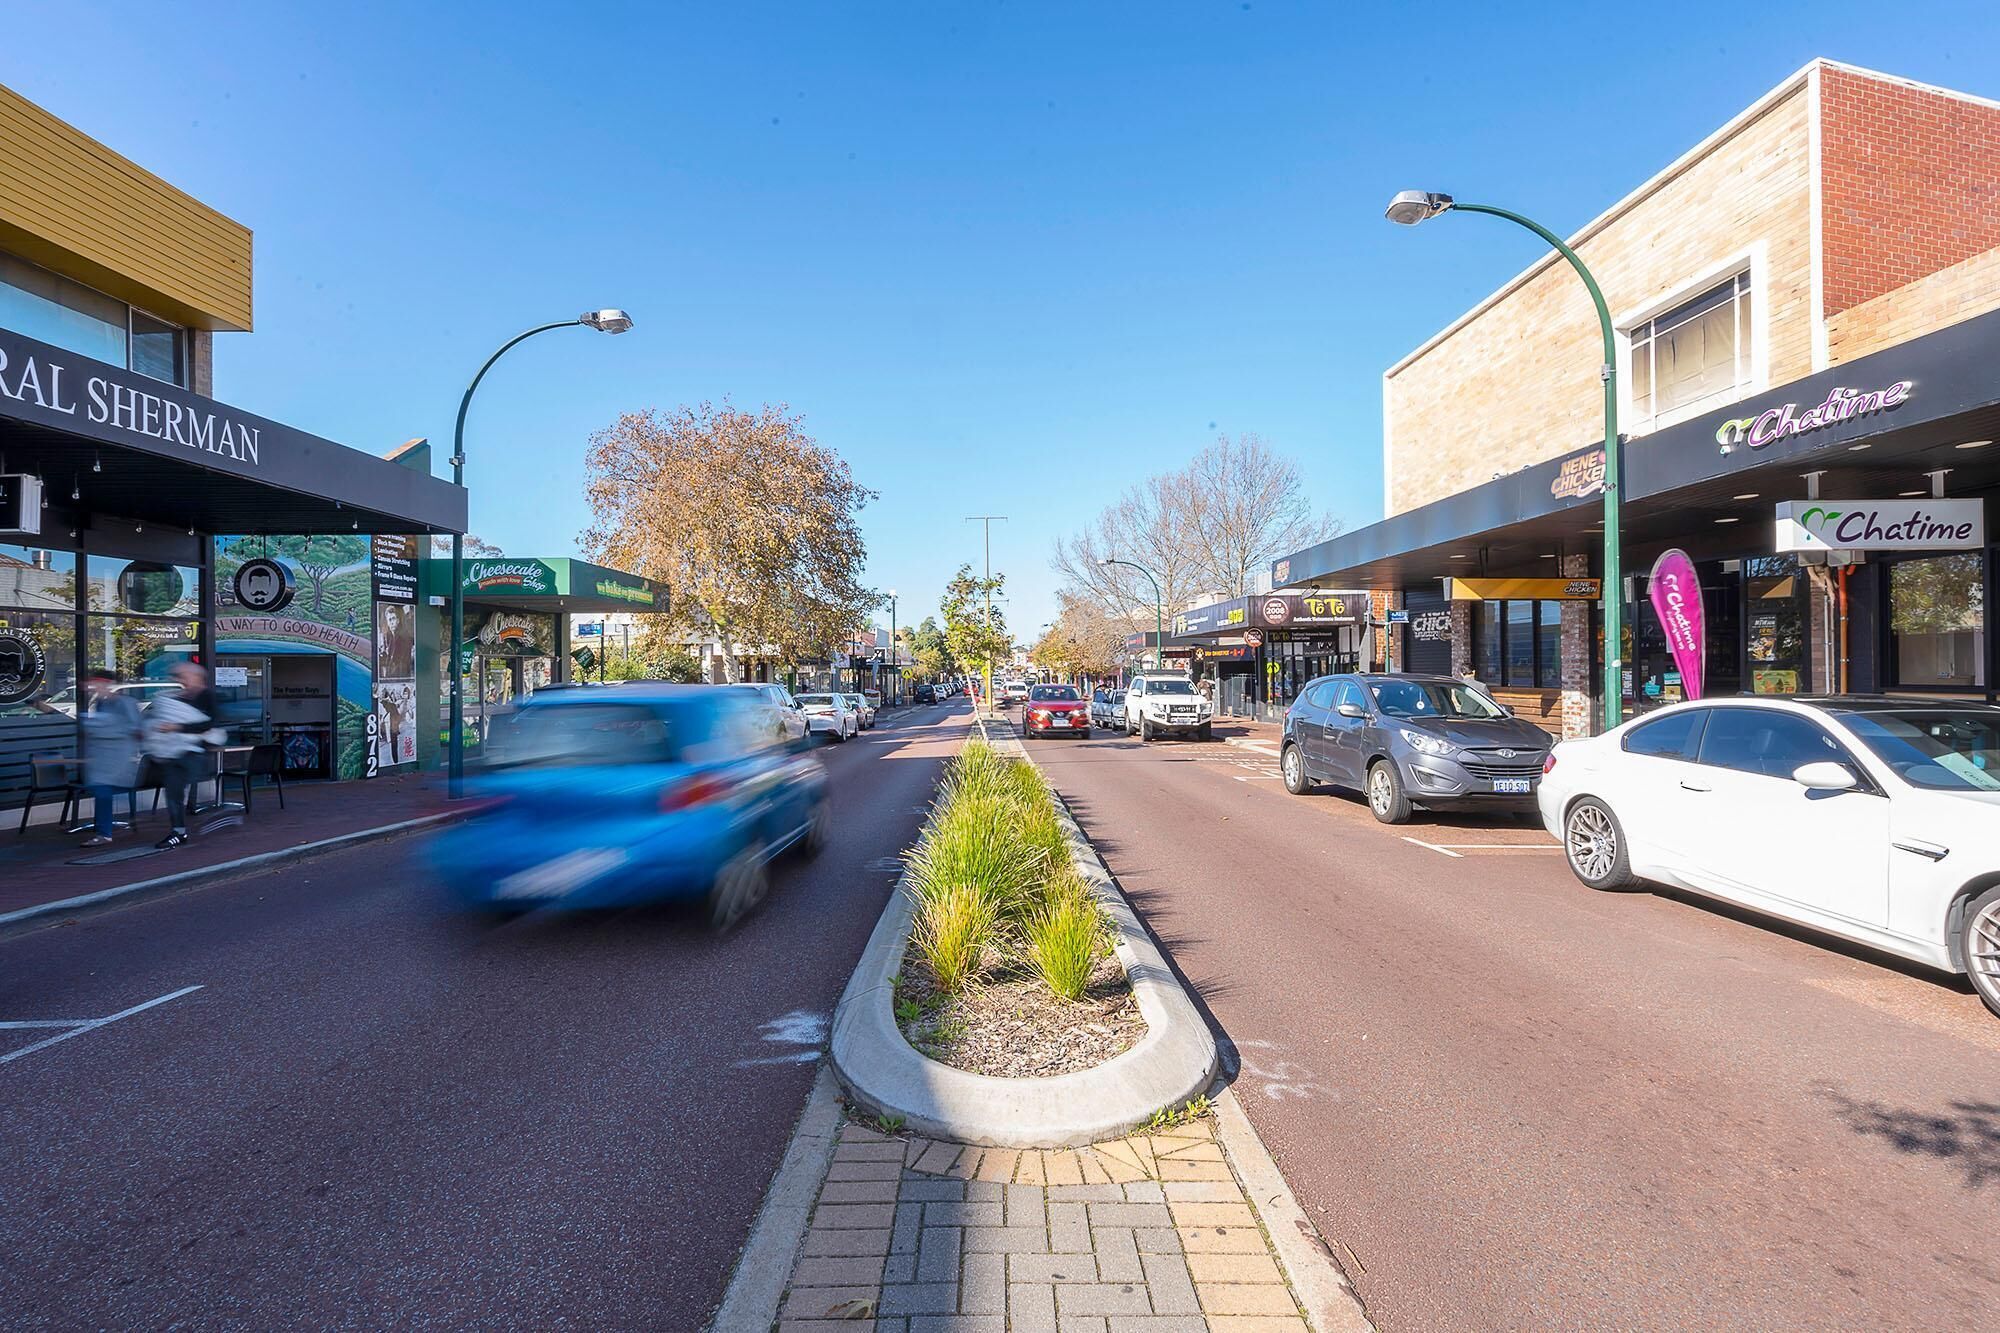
1541,707
72,205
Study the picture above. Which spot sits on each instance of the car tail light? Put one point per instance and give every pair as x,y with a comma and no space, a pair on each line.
1549,764
689,792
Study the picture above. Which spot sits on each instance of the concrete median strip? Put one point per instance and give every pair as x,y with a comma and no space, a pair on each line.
883,1074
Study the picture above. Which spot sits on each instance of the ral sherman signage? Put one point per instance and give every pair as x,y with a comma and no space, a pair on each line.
1881,525
52,387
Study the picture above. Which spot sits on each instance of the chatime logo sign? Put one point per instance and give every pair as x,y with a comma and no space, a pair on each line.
1774,424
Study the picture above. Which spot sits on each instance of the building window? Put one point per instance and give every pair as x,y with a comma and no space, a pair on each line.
53,309
1937,622
1518,644
1694,356
157,349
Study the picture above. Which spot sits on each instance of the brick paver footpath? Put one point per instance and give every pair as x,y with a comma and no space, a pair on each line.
1150,1234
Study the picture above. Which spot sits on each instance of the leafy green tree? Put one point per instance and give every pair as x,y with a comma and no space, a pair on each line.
974,629
930,650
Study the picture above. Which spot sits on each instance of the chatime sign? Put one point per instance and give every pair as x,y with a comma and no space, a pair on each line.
1881,525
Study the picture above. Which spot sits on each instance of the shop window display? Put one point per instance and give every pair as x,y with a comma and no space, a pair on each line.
1937,622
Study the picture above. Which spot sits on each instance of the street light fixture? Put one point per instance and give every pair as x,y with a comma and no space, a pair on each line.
1413,206
1159,609
604,321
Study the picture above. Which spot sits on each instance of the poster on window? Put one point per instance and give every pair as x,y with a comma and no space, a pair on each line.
395,641
395,723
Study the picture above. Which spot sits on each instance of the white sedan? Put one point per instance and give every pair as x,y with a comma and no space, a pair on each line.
830,715
1877,820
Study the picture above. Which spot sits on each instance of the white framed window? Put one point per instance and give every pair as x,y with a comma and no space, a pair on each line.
1694,356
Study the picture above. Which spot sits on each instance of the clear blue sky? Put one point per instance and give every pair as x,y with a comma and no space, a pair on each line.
1084,237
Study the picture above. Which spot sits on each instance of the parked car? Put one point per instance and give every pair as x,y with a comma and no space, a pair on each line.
874,698
787,719
1056,710
632,793
1166,703
1409,740
830,715
863,710
1874,819
926,693
1012,692
1107,708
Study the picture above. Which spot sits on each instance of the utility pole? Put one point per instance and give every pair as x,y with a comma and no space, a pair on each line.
989,520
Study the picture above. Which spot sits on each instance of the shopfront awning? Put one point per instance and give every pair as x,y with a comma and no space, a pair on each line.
531,583
1683,488
110,441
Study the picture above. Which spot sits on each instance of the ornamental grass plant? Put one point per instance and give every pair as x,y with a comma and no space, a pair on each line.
993,875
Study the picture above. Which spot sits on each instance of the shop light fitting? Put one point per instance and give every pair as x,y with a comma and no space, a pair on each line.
1973,444
1728,520
76,488
1748,495
96,463
1907,494
1857,448
1461,557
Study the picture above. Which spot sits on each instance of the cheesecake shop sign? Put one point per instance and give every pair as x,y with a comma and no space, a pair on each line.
51,387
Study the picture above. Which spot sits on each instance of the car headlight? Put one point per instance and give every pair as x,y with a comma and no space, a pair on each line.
1425,743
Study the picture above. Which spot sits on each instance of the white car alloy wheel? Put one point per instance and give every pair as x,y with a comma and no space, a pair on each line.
1982,948
1594,844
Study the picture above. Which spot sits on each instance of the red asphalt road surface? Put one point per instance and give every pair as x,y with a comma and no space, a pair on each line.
379,1114
1513,1103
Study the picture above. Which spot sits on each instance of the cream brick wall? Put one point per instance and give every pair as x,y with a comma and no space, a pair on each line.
1517,384
1968,288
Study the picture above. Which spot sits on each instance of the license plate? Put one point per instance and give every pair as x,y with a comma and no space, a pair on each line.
1058,721
1513,786
565,874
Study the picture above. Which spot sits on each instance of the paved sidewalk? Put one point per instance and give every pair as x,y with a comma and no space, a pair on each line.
1149,1234
40,866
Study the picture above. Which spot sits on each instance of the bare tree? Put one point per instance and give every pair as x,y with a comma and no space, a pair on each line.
1246,505
1148,526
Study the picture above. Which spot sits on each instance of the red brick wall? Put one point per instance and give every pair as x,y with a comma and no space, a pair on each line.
1910,184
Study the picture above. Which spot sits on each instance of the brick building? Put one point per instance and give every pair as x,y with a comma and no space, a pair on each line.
1807,308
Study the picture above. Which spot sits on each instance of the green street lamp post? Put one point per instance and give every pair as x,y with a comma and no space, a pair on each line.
1159,610
1414,206
604,321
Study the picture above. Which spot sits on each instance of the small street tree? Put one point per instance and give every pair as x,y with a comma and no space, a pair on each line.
743,515
973,638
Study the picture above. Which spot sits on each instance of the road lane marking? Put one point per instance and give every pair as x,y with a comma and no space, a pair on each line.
1441,851
89,1024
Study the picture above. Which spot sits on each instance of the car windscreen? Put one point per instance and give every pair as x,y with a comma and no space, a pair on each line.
1168,687
1423,698
1118,696
1939,748
572,735
1066,693
815,700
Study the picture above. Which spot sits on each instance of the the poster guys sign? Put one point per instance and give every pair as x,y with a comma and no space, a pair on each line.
1881,525
1676,597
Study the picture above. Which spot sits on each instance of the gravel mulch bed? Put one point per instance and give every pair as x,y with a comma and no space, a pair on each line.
1006,1023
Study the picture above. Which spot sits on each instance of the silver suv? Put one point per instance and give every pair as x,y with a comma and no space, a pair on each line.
1166,703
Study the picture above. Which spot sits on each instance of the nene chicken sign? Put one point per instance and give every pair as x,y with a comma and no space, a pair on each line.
1881,525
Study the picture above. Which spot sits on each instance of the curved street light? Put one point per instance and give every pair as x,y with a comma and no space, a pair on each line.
604,321
1414,206
1159,609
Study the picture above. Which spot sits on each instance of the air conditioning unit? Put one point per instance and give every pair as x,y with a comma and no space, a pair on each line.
20,505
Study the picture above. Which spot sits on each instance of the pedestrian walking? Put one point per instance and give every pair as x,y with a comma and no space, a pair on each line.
177,736
113,730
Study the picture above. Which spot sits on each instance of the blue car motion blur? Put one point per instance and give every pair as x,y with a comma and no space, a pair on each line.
632,793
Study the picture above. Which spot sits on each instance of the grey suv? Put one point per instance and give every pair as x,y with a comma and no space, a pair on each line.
1405,741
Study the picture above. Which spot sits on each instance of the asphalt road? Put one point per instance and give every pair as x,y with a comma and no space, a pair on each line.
1513,1103
374,1114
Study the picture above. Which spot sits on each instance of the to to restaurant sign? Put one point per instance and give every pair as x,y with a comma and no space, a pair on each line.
1282,609
1881,525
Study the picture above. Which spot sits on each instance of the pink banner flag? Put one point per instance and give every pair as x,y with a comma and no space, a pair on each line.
1676,594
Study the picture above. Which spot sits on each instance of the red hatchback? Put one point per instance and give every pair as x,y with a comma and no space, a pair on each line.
1055,710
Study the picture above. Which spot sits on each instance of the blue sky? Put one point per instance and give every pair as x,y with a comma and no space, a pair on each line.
1081,238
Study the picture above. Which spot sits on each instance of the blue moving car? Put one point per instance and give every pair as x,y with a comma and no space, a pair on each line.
623,794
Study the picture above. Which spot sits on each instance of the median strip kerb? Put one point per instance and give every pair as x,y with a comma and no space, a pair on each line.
65,907
885,1075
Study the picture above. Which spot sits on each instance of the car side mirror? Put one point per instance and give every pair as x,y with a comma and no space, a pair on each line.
1351,710
1825,775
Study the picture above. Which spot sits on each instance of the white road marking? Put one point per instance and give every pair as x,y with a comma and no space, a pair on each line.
1497,846
89,1024
801,1027
1441,851
1258,777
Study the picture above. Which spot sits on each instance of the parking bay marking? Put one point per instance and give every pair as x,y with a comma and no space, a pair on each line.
76,1027
1457,850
